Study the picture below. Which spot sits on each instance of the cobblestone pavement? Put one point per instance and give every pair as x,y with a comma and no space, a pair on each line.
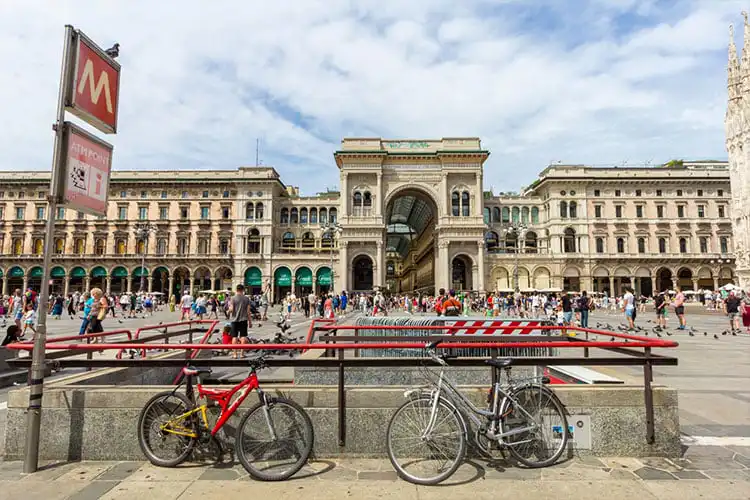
708,472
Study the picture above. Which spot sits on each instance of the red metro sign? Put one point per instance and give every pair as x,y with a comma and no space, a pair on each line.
95,89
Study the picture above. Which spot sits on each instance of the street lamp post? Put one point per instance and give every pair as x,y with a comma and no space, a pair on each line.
332,229
142,231
519,230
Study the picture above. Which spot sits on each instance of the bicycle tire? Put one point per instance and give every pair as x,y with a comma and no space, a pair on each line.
563,423
425,402
144,442
307,433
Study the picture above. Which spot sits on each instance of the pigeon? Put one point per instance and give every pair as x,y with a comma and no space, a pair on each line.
689,333
716,336
734,333
648,321
724,332
119,321
658,334
113,51
612,339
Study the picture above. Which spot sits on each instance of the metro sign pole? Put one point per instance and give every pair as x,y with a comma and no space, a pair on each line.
81,164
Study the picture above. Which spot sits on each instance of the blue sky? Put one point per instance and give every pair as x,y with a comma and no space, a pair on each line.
575,81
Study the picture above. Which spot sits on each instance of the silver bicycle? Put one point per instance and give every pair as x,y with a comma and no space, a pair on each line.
427,435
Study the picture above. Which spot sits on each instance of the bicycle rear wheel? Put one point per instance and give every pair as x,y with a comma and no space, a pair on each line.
269,459
543,445
161,447
435,457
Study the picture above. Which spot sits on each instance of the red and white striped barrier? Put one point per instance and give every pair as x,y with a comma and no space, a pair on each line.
494,327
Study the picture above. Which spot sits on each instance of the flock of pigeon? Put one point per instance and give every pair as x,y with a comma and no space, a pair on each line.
658,330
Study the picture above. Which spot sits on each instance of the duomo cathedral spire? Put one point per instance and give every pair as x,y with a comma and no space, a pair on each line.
737,126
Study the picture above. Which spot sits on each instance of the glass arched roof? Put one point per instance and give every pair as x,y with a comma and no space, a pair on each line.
407,218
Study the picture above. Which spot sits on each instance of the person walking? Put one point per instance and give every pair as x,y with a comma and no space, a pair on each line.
239,310
628,306
732,310
584,306
679,308
186,303
660,304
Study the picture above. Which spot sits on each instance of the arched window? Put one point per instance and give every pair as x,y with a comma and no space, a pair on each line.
120,246
495,214
573,210
294,217
140,247
516,215
491,241
182,246
662,245
59,246
600,245
525,215
367,200
249,211
313,215
332,215
161,246
569,241
390,269
284,219
534,215
308,240
253,241
724,244
303,216
357,200
506,215
486,215
38,246
511,242
323,216
326,240
17,246
564,209
258,211
465,208
79,245
203,246
455,204
703,244
530,245
620,245
641,245
683,245
287,241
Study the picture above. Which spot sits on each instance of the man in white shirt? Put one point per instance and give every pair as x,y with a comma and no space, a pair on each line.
186,303
628,306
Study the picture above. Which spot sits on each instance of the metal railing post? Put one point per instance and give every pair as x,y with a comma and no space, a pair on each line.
648,378
342,401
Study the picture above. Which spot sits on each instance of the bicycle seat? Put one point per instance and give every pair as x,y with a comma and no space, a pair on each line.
433,344
191,371
500,362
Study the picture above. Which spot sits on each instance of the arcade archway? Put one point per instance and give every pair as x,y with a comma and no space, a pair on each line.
410,221
362,271
461,273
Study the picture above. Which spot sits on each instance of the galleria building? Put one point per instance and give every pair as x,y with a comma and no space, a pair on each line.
410,216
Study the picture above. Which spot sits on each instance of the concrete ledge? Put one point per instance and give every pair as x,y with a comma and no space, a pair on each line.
99,422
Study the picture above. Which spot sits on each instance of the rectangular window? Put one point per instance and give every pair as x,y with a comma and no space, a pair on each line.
123,194
183,213
662,245
704,244
122,213
205,194
639,211
701,211
20,213
721,211
618,211
680,211
224,212
163,195
660,211
40,195
204,212
225,194
80,215
658,192
599,245
700,192
224,247
641,245
143,213
724,244
144,194
2,216
597,192
720,192
598,211
617,192
163,213
184,194
40,213
21,194
60,213
2,194
637,192
679,192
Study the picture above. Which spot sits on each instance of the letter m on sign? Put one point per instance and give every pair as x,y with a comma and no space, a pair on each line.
94,92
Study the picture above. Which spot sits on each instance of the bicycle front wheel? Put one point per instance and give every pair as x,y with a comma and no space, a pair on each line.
161,433
274,459
543,416
421,457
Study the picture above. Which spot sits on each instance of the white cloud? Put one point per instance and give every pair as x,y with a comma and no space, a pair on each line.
596,82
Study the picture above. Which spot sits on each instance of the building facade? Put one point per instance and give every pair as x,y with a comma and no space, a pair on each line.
411,215
737,126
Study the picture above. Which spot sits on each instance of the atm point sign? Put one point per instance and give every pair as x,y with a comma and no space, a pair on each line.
94,92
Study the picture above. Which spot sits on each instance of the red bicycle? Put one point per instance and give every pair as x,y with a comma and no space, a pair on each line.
273,440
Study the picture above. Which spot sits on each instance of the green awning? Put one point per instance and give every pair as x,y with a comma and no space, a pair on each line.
57,272
140,271
1,273
99,272
324,276
283,277
119,272
15,272
253,277
304,276
159,270
36,272
78,272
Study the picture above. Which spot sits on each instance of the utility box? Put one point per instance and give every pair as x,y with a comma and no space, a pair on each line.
579,431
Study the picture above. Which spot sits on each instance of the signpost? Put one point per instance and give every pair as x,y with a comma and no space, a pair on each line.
81,163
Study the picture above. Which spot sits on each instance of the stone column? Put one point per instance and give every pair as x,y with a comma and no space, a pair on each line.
25,284
150,284
315,284
342,278
612,286
170,290
479,200
192,284
655,284
474,277
86,284
479,285
129,284
344,205
380,265
632,283
445,198
695,284
378,202
716,282
674,283
5,286
108,284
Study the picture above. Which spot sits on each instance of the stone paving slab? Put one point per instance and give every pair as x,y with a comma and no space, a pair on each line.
580,478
